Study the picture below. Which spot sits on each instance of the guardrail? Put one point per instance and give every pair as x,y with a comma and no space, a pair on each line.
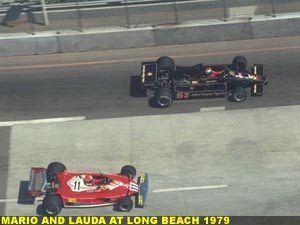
36,5
65,3
79,15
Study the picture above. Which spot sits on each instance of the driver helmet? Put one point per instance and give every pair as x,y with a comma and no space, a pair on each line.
88,178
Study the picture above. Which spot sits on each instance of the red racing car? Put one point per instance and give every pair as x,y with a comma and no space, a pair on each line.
62,189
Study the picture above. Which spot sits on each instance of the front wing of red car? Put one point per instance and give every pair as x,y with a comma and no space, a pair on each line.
143,182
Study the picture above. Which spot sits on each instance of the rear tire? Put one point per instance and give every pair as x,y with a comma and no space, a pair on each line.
165,63
239,63
125,204
239,95
52,205
129,171
163,97
53,168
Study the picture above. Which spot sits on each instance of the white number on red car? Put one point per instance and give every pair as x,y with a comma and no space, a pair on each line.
77,184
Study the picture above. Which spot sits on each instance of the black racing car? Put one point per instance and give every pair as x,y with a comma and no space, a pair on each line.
171,82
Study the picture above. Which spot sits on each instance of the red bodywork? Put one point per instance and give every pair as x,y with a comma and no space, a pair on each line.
82,188
75,191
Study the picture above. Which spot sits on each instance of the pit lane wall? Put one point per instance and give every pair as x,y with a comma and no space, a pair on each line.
123,38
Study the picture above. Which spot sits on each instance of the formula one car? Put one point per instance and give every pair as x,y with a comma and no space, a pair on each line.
61,188
171,82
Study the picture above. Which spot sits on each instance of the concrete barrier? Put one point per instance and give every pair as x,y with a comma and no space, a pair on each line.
274,28
122,38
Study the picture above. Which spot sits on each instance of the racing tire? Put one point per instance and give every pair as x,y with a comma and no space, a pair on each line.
163,97
125,204
239,63
129,171
53,168
52,205
239,95
165,63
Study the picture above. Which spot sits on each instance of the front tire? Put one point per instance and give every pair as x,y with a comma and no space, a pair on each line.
125,204
239,63
163,97
52,205
129,171
239,95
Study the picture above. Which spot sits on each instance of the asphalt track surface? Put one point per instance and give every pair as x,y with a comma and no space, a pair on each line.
96,85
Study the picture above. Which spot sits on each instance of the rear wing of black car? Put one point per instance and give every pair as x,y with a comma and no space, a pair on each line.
258,69
257,89
143,182
148,74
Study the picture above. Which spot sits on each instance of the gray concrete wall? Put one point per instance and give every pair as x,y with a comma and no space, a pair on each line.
122,38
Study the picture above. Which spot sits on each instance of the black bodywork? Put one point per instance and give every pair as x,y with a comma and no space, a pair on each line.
170,82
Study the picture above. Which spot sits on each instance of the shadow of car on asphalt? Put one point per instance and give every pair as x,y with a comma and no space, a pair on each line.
136,89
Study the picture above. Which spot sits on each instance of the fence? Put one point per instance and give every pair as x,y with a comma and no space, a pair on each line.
28,15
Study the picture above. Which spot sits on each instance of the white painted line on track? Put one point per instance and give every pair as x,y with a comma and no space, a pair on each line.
8,200
16,200
190,188
212,109
37,121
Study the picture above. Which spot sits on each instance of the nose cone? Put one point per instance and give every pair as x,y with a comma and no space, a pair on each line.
133,187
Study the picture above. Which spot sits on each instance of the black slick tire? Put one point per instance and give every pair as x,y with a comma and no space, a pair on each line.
163,97
129,171
165,63
239,63
125,204
53,168
52,205
239,94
